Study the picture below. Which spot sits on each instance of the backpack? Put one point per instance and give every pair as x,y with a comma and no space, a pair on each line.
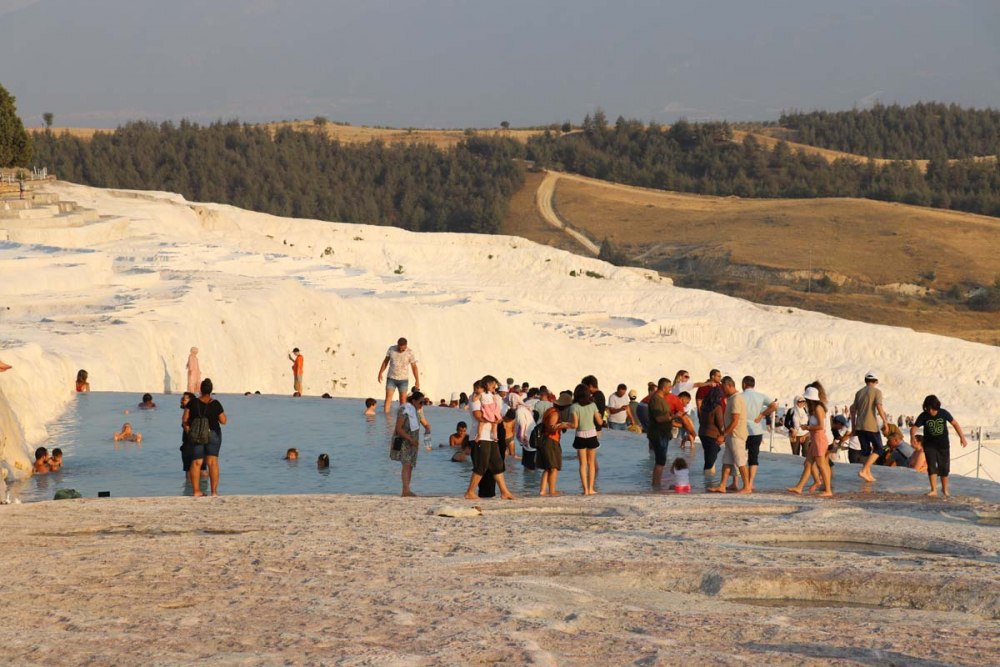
789,419
201,431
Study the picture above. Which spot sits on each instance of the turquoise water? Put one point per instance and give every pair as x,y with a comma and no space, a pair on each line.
262,428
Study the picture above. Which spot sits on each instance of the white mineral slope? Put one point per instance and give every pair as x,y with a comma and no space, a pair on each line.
246,287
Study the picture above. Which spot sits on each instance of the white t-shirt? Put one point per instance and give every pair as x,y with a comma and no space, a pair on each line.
683,386
616,401
399,362
682,477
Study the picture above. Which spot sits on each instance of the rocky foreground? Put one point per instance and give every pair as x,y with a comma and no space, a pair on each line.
607,580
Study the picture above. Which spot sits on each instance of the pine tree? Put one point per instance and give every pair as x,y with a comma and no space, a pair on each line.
15,142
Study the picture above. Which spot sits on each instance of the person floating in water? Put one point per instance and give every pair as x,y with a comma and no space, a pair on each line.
82,385
147,402
194,372
127,434
42,461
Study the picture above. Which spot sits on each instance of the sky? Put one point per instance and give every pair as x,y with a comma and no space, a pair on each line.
474,63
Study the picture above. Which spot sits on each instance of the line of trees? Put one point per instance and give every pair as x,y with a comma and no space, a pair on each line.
300,174
922,131
702,158
15,142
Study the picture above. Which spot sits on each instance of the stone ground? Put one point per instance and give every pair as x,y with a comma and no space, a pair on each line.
606,580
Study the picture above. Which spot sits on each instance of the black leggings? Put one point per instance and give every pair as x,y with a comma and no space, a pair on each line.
938,460
712,450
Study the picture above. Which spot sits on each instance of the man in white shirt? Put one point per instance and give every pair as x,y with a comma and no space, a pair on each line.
400,360
486,456
618,409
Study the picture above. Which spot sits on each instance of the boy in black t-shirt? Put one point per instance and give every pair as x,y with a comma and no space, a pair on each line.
937,450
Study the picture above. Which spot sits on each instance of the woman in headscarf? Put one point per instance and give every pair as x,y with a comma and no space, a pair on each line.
711,424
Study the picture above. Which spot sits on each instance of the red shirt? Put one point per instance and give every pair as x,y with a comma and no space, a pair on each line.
675,403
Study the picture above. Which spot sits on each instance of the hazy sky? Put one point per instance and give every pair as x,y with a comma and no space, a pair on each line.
459,63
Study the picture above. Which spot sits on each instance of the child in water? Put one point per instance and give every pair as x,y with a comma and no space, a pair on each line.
323,461
127,434
460,436
370,407
55,460
292,454
682,479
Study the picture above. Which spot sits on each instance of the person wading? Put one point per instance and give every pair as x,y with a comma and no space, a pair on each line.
204,414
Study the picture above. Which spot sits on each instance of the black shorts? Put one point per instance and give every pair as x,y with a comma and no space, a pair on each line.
528,459
586,443
938,460
486,458
753,448
871,441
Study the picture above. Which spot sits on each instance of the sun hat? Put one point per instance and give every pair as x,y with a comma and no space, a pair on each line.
812,394
502,387
871,375
565,400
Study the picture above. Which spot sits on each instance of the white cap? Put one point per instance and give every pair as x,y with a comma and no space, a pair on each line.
812,394
502,387
871,375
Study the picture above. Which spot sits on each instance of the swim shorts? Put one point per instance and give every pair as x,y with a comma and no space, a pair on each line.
870,441
486,458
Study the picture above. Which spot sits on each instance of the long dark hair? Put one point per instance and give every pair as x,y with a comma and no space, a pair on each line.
582,395
206,387
712,400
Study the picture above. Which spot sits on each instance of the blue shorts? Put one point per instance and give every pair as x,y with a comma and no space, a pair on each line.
214,444
402,385
660,444
618,427
870,441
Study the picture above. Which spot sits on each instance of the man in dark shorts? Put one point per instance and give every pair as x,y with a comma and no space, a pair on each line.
486,456
865,413
660,428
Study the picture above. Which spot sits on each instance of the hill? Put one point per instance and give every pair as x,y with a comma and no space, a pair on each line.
351,134
858,259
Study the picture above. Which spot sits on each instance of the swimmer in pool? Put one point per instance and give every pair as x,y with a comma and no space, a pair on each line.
323,461
147,402
56,460
369,407
127,434
292,454
42,461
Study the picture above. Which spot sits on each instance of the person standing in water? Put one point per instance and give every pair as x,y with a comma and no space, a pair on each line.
486,456
937,450
193,372
205,407
298,366
399,360
82,384
406,438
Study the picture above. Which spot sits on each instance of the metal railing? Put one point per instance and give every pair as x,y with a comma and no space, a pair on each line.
33,174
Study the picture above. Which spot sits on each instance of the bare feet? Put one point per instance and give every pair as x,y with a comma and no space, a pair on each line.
946,494
813,487
932,494
198,494
543,494
409,494
745,490
868,477
794,489
215,495
508,496
716,489
732,487
471,496
557,493
825,494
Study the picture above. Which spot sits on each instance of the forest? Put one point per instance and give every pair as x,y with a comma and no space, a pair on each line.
299,174
922,131
702,158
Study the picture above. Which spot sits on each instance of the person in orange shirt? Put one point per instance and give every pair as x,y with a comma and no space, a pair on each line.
297,367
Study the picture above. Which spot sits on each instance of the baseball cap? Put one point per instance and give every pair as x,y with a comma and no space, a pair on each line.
841,419
631,393
871,375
